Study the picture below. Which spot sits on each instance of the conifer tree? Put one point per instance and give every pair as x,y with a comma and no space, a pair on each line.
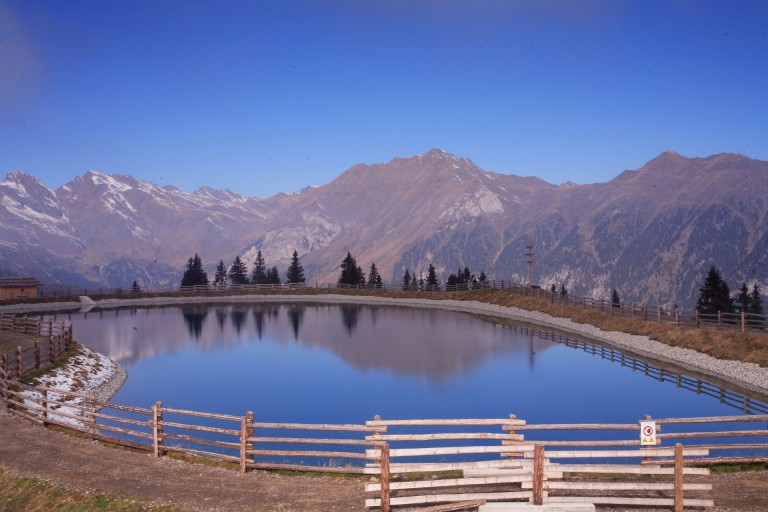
374,279
259,274
482,278
238,273
273,276
714,294
757,301
432,280
744,299
135,288
194,275
351,273
406,280
295,272
220,277
563,291
615,299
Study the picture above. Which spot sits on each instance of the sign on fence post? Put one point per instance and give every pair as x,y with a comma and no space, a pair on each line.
647,433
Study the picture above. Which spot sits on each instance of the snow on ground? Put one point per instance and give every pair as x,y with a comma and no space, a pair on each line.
86,373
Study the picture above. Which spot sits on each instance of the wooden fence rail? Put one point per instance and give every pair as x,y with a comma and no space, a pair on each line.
57,338
463,459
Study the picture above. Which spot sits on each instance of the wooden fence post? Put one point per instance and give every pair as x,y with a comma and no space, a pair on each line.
92,412
246,432
538,474
677,317
678,477
44,404
743,322
659,314
37,354
384,448
698,319
20,360
719,320
157,429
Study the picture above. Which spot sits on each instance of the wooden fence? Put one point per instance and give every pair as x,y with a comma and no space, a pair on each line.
453,460
57,338
743,401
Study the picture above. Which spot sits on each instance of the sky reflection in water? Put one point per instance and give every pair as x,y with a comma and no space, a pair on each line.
331,363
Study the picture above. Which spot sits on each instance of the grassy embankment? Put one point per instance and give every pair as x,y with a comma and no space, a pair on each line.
32,495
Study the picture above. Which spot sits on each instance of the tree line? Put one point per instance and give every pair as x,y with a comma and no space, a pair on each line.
237,272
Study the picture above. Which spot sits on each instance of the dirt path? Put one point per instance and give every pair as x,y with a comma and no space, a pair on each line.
30,450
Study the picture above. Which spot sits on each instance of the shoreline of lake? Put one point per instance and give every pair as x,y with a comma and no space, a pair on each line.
749,376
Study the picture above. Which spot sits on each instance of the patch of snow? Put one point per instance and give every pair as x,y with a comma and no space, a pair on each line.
85,373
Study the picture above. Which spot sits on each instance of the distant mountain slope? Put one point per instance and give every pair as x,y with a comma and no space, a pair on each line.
651,233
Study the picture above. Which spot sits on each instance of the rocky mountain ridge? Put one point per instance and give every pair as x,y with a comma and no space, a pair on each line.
651,233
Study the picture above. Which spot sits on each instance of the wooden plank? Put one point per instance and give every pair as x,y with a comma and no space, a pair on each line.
645,452
483,472
446,436
118,419
312,440
579,426
504,422
678,477
619,500
298,467
292,453
134,433
306,426
451,482
198,440
373,469
455,507
627,469
443,498
201,453
730,433
624,486
758,418
199,428
719,460
451,450
128,408
226,417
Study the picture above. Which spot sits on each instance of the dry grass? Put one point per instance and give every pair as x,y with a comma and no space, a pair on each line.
33,495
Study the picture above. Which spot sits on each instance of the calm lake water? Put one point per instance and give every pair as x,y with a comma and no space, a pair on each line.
345,364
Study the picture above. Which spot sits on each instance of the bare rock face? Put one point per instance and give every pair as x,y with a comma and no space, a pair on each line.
651,233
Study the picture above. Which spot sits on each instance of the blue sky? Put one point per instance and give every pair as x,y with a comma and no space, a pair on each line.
261,97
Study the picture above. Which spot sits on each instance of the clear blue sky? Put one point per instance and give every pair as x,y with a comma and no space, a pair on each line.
268,96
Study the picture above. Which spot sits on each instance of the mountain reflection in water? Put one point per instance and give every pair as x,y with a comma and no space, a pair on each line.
431,343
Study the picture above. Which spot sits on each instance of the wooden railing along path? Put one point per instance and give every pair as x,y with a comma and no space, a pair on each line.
56,338
429,462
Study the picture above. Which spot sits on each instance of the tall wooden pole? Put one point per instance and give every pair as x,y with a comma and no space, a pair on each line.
529,254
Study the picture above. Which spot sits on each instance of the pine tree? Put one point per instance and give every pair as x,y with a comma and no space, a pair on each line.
374,279
360,276
482,278
194,275
432,277
406,280
744,299
220,277
615,299
349,274
259,274
714,295
238,272
273,276
295,272
553,289
563,291
135,288
757,301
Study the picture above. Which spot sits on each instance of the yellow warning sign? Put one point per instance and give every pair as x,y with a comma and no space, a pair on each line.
648,433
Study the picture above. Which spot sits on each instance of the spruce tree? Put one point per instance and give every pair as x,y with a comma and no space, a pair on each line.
295,273
757,301
194,275
744,299
238,272
563,291
259,274
714,295
273,276
432,277
220,277
374,279
482,278
406,280
351,274
615,299
135,288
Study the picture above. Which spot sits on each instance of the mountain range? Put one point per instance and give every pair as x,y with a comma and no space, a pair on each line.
651,233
